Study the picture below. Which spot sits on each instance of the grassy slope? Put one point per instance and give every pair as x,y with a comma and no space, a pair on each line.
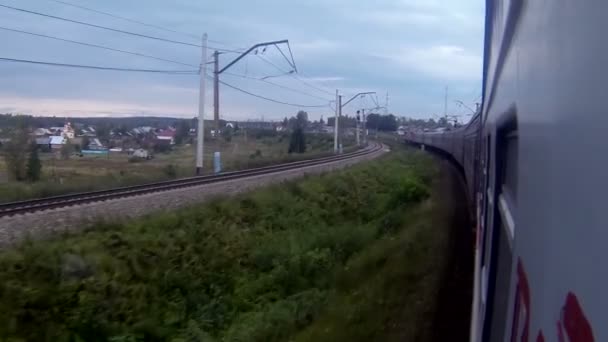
90,173
389,291
349,256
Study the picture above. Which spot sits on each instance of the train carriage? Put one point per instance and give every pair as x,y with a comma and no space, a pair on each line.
533,162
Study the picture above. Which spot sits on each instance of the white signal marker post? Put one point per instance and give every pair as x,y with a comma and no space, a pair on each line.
336,124
200,137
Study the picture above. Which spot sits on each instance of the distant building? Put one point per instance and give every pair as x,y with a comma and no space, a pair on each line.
165,140
41,132
257,125
44,144
327,129
88,132
56,129
57,142
68,131
94,152
141,153
95,144
166,136
143,130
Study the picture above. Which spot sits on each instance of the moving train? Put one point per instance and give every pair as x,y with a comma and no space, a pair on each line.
533,159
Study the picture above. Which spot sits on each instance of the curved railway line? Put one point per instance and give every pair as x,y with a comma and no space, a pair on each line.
34,205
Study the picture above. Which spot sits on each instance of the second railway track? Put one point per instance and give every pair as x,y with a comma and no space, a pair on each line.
34,205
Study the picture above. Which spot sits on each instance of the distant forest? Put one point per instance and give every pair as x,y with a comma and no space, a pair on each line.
375,121
10,120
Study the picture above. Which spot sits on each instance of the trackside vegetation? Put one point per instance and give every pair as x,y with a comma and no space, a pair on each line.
348,256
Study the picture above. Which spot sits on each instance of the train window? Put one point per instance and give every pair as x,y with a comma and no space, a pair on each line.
500,273
507,176
500,213
509,167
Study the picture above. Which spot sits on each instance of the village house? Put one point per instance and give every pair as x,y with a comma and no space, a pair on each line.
41,132
68,131
57,142
166,136
43,143
96,145
88,132
141,153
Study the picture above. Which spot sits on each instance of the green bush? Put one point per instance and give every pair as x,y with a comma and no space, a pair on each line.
258,267
297,142
170,171
257,154
34,166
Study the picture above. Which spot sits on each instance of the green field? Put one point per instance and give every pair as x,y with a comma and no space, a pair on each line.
349,256
88,173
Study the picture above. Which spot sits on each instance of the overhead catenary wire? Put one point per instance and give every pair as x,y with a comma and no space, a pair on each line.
124,18
136,21
96,46
112,29
375,100
295,77
276,85
95,67
320,88
181,72
285,56
269,99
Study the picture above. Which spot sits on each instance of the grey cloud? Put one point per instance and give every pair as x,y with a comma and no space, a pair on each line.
401,46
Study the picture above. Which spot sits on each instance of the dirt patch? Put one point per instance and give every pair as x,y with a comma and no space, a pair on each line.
453,312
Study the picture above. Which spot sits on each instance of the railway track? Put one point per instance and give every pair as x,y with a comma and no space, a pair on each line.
34,205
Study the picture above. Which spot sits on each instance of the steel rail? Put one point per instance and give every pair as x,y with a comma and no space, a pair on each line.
39,204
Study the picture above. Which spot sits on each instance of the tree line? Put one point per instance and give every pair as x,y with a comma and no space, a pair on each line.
384,123
21,157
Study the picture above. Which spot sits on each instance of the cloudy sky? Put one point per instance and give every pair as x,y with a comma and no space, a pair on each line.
411,49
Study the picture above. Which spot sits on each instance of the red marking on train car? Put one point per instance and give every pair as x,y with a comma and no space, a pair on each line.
521,314
573,322
573,325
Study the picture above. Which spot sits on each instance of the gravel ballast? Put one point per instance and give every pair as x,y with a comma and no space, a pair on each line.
40,224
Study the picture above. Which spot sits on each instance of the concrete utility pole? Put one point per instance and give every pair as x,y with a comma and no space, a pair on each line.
386,105
217,167
445,104
216,79
357,129
336,124
216,91
200,136
339,115
363,117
